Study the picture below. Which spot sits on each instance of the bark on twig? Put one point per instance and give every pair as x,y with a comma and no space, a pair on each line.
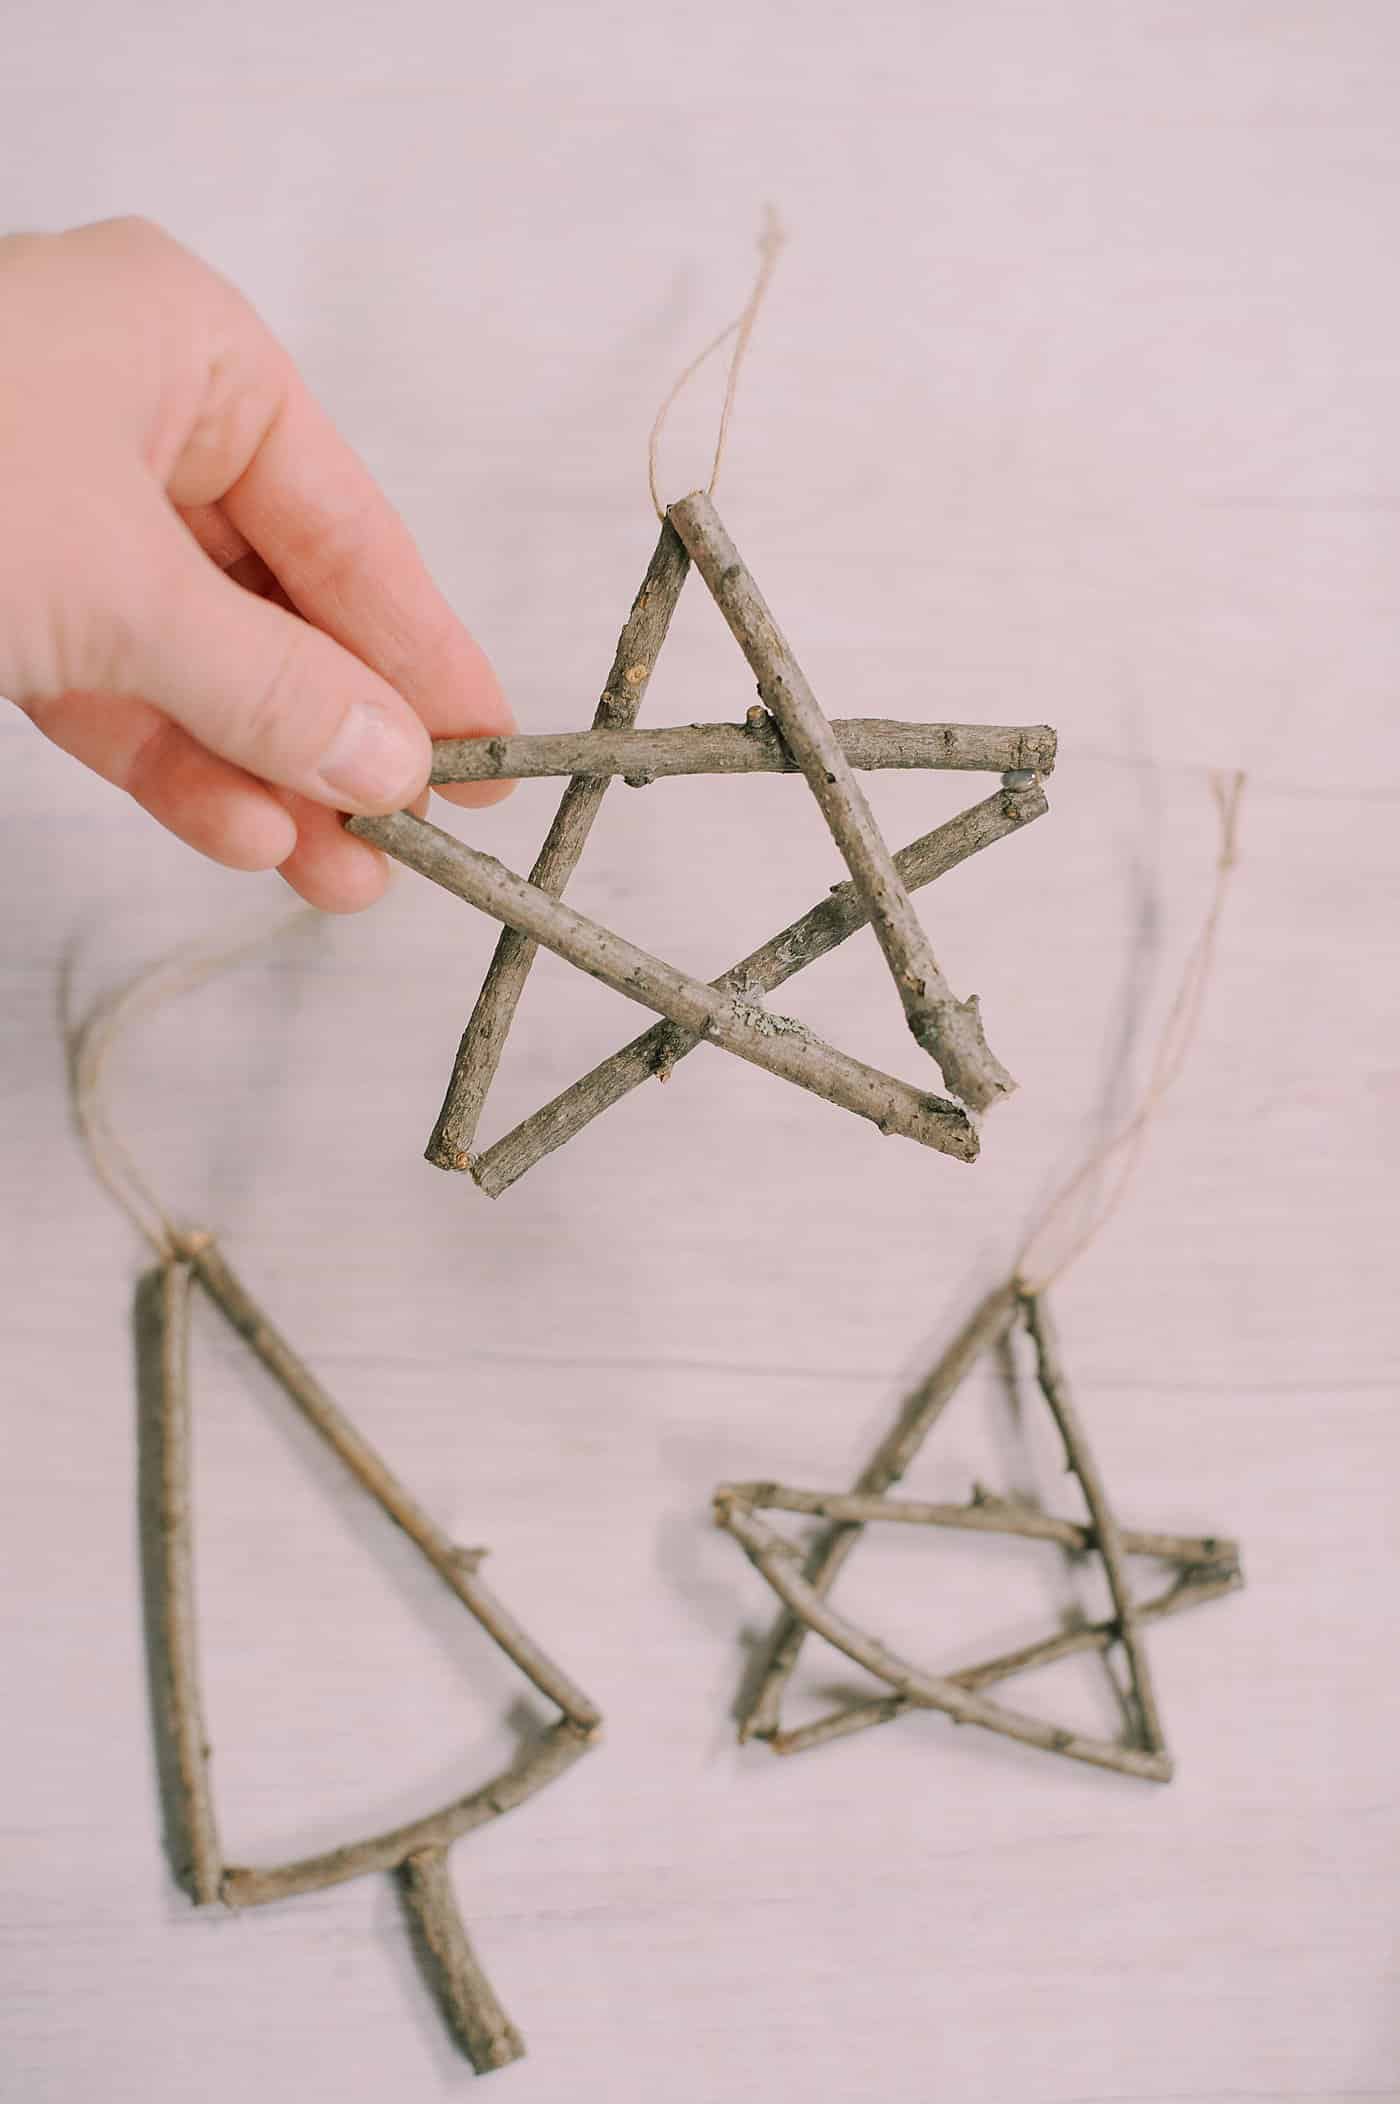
1079,1459
949,1030
885,1467
482,2029
454,1565
729,1020
182,1735
655,1052
753,747
557,1751
479,1053
1190,1590
778,1563
983,1515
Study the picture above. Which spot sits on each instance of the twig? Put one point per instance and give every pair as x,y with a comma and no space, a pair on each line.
753,747
1191,1589
557,1751
984,1515
949,1030
885,1467
656,1051
479,1053
181,1726
1078,1458
777,1562
1187,1591
454,1565
486,2034
729,1020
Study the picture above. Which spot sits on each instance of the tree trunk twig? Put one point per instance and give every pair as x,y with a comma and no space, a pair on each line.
753,747
482,2029
479,1053
1208,1565
1189,1590
181,1726
729,1020
885,1467
778,1563
948,1030
656,1051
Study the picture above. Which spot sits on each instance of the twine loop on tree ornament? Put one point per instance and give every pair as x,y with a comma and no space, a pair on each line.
91,1043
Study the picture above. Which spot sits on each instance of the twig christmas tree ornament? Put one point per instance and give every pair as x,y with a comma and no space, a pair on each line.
418,1850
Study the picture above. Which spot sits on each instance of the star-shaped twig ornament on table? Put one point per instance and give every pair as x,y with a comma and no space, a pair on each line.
787,732
1205,1567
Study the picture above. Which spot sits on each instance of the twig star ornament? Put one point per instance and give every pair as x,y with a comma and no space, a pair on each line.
787,732
1204,1568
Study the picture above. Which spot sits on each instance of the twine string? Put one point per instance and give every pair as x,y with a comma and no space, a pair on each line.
771,241
92,1042
1121,1154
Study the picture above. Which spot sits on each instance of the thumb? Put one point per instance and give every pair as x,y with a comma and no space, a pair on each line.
261,687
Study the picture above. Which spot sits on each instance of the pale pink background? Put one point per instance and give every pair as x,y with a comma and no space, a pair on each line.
1076,401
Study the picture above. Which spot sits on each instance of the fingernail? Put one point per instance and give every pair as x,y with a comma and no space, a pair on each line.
375,758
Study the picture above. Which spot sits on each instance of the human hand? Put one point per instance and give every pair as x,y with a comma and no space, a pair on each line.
204,596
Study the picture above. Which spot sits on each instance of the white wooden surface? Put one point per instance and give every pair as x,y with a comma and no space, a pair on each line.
1076,401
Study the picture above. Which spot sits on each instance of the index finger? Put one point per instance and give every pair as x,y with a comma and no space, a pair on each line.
315,514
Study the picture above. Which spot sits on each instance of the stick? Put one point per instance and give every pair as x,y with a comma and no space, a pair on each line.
948,1030
483,2030
1055,1389
829,923
555,1752
1098,1636
752,747
773,1042
1192,1589
175,1647
769,1554
479,1053
455,1566
886,1465
985,1515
